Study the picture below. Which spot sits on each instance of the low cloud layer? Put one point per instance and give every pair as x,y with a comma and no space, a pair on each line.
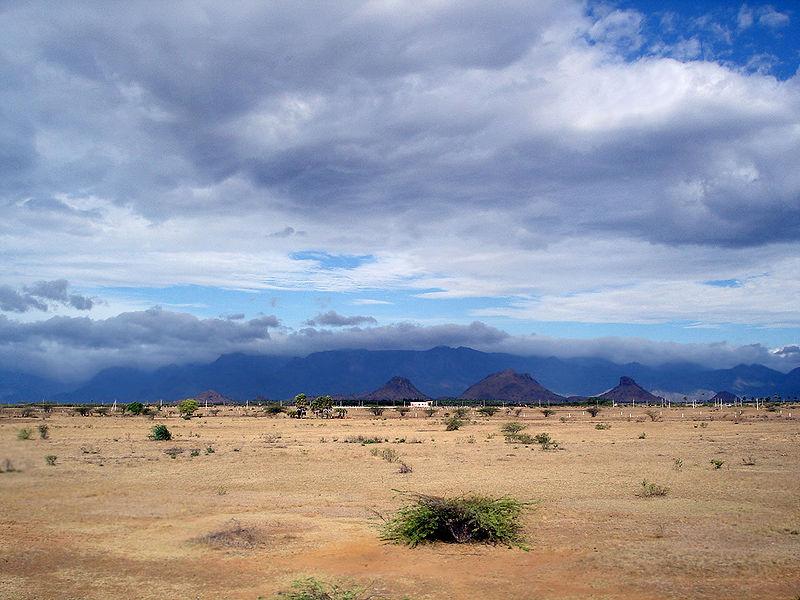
41,296
76,347
334,319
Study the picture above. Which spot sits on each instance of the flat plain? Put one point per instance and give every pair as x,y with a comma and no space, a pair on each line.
238,504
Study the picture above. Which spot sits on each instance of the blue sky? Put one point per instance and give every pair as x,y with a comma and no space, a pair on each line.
615,179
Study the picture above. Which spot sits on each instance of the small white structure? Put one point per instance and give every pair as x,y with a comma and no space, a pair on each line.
420,403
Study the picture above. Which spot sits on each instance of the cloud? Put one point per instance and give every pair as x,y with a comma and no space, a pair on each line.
37,295
74,348
370,302
334,319
769,17
452,150
745,17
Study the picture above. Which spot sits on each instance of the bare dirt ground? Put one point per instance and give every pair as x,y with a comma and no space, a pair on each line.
117,517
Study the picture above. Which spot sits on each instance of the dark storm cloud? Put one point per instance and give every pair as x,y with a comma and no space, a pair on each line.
371,107
334,319
37,295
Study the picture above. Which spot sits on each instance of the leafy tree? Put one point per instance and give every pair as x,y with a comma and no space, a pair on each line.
160,433
135,408
188,407
322,406
300,406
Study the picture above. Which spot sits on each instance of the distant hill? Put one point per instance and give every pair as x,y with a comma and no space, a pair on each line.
438,372
510,386
724,397
628,391
212,397
396,389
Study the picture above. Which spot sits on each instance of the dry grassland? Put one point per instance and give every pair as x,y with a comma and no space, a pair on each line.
279,498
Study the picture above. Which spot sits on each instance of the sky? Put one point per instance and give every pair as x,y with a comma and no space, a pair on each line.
616,179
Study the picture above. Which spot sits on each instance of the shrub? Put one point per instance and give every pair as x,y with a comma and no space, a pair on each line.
44,431
650,489
642,435
173,452
749,461
453,423
405,468
209,450
653,414
488,411
717,463
83,410
135,408
429,412
195,452
547,412
24,434
545,441
50,460
101,411
274,408
403,410
677,464
602,426
460,412
593,410
462,519
376,410
322,406
234,535
188,407
388,454
160,433
310,588
340,412
512,428
363,440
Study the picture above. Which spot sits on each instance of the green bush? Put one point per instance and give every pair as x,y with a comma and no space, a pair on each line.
376,410
50,460
388,454
310,588
188,407
135,408
430,411
602,426
548,412
453,423
462,519
44,431
24,434
717,463
593,410
160,433
488,411
403,410
461,412
274,408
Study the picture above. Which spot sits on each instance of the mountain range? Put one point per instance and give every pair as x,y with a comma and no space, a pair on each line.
438,372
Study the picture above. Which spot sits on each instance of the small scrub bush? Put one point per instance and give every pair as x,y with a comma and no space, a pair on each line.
173,452
160,433
453,423
388,454
339,413
44,431
50,460
546,442
83,410
405,468
548,412
429,412
461,412
512,428
462,519
234,535
749,461
376,410
651,490
24,433
603,426
274,408
677,464
310,588
642,436
194,452
717,463
364,440
593,410
488,411
210,450
403,410
653,414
